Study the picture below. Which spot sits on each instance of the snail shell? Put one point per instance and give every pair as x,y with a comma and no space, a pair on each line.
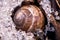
58,3
29,18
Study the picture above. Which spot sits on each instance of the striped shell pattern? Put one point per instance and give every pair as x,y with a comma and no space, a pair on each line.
28,18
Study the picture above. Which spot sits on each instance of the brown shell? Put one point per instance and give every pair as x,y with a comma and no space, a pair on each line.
29,18
29,0
58,3
57,27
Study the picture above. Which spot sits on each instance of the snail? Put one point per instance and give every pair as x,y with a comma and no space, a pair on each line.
57,27
58,3
29,18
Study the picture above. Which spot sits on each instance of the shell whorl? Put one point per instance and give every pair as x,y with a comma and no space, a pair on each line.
29,18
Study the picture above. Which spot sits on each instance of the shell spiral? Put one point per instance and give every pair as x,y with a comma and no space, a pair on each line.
29,18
